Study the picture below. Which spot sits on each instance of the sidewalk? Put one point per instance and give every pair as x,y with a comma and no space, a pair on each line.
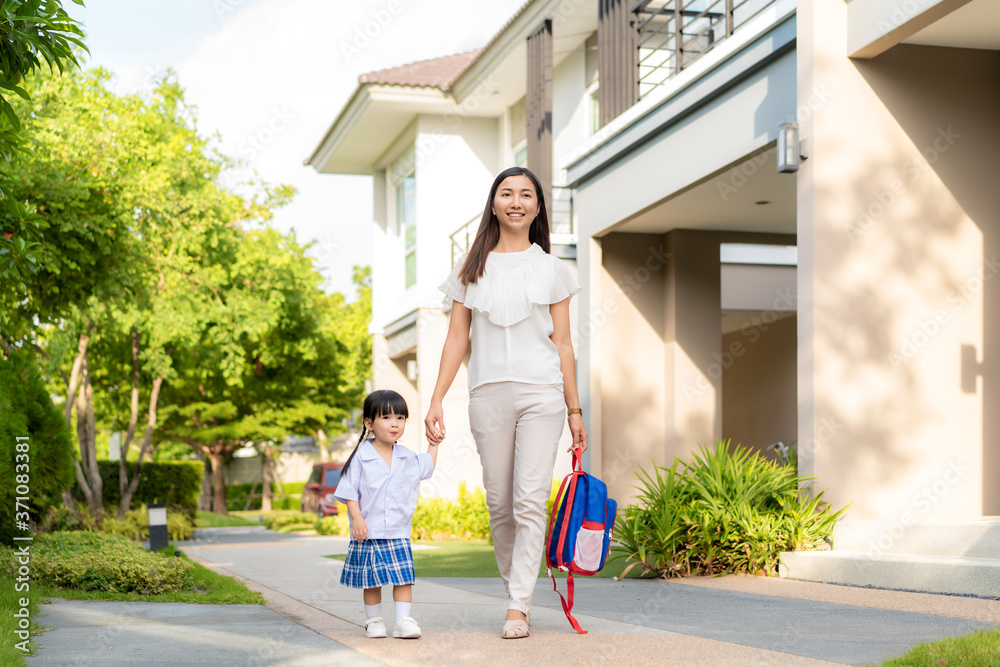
310,618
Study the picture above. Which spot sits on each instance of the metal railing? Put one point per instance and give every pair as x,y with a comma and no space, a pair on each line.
561,223
673,34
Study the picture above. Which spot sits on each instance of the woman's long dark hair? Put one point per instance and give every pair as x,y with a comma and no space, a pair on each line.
377,403
489,227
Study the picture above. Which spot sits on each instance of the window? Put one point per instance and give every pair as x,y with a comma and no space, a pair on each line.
406,217
521,154
331,478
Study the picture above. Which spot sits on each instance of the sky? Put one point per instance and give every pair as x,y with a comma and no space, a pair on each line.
269,77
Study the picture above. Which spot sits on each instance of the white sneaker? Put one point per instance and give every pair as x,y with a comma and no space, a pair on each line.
375,628
406,628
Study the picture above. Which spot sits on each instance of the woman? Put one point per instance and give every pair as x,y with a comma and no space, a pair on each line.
513,297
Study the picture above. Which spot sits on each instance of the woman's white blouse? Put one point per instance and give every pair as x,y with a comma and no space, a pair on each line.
511,323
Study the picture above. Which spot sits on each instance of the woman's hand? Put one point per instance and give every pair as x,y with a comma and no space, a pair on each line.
359,529
435,423
579,432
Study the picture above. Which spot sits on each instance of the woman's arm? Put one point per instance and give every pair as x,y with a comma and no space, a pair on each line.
455,345
567,363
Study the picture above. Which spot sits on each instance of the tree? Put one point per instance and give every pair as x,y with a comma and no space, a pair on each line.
266,364
29,29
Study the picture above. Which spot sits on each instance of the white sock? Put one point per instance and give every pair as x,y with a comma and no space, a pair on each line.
373,610
402,610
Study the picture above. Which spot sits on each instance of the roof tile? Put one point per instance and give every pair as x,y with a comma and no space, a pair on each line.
433,73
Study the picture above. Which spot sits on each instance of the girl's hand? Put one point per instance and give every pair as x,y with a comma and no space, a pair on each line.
359,530
435,424
579,432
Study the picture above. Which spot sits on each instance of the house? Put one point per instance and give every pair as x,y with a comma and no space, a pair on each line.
785,218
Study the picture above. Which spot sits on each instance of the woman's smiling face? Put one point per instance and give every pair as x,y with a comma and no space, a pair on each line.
516,203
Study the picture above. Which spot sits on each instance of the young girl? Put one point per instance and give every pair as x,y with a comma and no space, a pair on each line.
379,485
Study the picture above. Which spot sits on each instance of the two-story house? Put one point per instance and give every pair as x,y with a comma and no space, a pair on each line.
785,219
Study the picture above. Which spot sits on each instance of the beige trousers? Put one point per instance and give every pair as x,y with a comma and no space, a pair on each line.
517,428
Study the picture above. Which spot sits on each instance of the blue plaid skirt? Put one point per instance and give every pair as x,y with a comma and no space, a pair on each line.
376,563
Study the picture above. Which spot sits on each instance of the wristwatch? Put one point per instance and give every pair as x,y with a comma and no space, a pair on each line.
574,411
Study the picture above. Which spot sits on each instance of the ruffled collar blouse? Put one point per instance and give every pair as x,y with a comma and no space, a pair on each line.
511,324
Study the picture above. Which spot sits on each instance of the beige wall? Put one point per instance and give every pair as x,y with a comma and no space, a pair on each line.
759,401
897,224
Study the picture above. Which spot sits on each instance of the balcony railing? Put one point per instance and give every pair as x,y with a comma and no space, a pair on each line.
560,224
672,34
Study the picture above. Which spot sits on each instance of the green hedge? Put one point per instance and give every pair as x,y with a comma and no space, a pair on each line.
236,496
174,483
26,410
100,562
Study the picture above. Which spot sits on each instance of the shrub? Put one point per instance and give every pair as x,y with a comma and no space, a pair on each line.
26,410
236,496
728,510
173,483
276,520
466,518
338,524
135,525
99,561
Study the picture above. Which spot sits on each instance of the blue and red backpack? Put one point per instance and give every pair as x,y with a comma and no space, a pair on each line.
579,531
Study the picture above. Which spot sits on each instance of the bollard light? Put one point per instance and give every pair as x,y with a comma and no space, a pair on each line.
157,526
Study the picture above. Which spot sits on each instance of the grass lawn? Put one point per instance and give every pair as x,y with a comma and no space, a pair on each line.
10,603
981,649
475,559
213,520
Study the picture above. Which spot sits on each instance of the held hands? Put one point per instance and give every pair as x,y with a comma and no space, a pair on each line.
579,432
434,424
359,529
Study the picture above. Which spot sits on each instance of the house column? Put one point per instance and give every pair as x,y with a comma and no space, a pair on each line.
692,342
539,107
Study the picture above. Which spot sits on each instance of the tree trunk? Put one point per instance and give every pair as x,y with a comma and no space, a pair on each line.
133,419
74,376
324,453
265,494
94,473
128,492
205,497
218,480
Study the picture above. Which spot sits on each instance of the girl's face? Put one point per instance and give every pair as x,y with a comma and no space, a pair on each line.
387,428
515,204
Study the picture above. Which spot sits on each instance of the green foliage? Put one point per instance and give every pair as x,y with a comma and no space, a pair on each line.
277,520
466,518
135,525
338,524
26,410
101,562
236,496
728,510
173,483
980,648
10,601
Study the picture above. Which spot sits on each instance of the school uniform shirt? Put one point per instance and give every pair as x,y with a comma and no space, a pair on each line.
511,323
387,496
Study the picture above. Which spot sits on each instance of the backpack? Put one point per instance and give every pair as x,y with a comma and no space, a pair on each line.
579,531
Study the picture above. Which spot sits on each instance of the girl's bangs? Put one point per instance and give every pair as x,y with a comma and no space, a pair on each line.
389,403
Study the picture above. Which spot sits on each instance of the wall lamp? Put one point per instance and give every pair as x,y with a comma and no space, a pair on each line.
791,151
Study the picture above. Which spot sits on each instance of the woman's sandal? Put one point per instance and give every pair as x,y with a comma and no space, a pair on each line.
516,628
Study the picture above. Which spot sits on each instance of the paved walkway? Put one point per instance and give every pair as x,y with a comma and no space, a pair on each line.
311,619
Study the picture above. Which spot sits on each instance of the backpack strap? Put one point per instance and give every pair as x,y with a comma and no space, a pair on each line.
567,607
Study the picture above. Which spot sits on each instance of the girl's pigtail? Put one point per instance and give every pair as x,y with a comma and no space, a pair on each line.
364,432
